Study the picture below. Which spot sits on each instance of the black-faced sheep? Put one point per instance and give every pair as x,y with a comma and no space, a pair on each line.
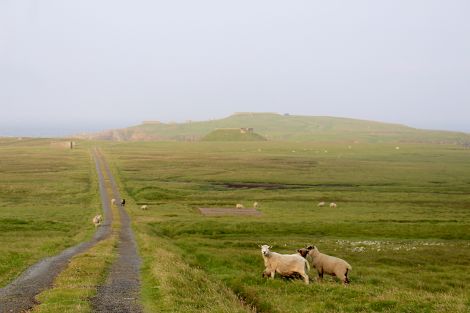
284,264
326,264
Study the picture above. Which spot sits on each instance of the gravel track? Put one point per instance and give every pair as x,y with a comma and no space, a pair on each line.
18,296
120,292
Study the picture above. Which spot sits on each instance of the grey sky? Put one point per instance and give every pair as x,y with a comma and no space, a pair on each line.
90,64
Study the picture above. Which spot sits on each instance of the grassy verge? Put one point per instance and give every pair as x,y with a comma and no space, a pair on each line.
172,285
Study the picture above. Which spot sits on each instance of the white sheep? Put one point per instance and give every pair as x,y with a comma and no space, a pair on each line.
113,201
97,220
255,204
239,206
284,264
144,207
326,264
333,205
321,203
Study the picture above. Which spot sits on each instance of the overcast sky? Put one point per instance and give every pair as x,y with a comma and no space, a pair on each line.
67,66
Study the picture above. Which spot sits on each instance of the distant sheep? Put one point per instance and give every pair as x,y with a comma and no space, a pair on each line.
97,220
113,201
144,207
284,264
123,202
325,264
239,206
255,204
333,205
321,203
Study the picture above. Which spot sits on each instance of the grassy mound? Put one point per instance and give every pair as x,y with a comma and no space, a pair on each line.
234,134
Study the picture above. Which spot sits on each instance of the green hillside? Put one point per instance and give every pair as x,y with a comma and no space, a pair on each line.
285,127
232,134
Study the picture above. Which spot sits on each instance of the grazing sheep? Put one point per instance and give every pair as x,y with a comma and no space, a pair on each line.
284,264
144,207
113,201
321,203
255,204
333,205
97,220
239,206
326,264
123,202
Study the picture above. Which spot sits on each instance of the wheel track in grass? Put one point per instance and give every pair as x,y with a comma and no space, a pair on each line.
120,291
19,295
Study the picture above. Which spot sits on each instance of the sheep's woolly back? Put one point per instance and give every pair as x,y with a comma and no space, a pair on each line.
285,263
328,264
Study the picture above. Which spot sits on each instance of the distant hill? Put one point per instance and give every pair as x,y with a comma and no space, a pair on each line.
274,126
233,134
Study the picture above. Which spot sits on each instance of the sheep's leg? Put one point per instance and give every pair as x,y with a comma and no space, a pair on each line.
306,278
346,279
320,276
272,274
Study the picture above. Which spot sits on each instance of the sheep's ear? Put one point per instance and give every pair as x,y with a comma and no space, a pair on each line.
310,247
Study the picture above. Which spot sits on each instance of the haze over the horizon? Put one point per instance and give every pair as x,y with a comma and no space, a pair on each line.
72,66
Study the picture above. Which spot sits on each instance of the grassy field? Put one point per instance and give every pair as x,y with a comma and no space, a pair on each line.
402,222
47,196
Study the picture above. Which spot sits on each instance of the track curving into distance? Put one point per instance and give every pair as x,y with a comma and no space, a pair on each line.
120,291
18,296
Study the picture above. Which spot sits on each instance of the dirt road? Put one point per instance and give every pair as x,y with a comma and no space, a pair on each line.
120,292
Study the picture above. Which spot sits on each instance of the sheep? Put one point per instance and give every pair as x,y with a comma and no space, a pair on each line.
97,220
144,207
333,205
321,203
113,201
239,206
255,204
326,264
284,264
123,202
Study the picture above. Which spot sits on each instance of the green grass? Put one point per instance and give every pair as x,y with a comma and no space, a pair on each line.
402,222
232,134
47,197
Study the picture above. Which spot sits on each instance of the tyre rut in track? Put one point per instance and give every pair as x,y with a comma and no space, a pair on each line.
19,295
120,291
